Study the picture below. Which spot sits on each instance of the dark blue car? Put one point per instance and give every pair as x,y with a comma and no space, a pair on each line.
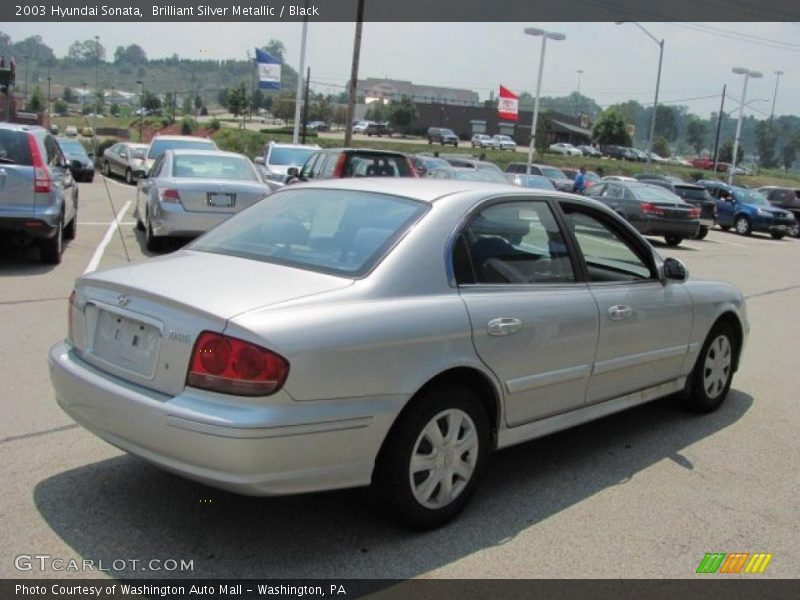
748,210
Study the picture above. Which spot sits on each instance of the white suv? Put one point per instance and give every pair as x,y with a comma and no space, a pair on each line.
504,142
480,140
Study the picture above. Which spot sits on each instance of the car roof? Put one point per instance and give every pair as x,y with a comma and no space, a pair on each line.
182,137
364,150
290,145
21,126
197,152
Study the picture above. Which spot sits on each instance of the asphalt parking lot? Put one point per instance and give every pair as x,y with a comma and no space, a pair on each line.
642,494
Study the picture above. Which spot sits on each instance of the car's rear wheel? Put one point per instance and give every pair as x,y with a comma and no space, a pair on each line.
52,248
777,236
71,230
152,242
106,169
701,233
709,382
433,458
673,240
743,226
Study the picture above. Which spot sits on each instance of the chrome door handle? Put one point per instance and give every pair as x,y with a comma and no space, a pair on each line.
503,326
619,312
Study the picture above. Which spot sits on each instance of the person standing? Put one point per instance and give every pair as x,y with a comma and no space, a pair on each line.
580,181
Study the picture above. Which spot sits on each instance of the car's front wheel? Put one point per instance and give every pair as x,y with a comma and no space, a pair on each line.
128,176
709,382
777,236
106,169
673,240
743,226
433,457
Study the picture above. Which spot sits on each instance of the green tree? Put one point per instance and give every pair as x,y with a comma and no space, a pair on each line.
766,140
378,111
151,102
36,101
132,55
610,128
60,107
789,152
237,100
114,110
403,114
726,152
187,107
696,132
666,122
661,146
69,95
222,96
283,108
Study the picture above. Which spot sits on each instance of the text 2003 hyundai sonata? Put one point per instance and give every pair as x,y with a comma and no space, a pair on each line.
390,333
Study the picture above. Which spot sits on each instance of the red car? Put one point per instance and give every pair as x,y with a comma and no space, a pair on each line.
707,164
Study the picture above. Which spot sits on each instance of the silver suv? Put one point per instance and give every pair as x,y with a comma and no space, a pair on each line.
279,158
38,196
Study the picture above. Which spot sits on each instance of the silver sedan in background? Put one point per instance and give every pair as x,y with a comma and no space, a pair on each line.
389,332
126,160
187,192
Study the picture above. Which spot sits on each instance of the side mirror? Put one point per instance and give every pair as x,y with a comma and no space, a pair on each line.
293,172
75,165
674,270
259,160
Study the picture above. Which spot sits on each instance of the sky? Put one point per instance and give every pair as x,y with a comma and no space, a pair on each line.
619,62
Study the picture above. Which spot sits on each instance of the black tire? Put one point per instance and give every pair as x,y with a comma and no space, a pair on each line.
128,176
151,241
725,227
106,169
702,233
743,226
777,236
673,240
139,223
701,395
71,230
392,491
52,248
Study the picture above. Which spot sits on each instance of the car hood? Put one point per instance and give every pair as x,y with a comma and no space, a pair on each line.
778,212
215,284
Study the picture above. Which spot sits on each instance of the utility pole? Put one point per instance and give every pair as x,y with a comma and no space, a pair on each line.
305,104
775,95
351,97
299,91
719,126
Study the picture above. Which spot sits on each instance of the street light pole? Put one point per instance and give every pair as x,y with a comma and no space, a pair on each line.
83,84
747,75
660,43
775,95
545,36
141,109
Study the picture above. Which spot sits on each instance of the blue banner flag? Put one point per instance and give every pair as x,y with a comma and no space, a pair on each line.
269,71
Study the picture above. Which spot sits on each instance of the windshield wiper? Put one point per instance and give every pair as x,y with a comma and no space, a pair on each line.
7,161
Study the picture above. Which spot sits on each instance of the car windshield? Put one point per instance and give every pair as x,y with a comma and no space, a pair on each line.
750,197
293,157
209,166
479,175
137,152
158,147
503,138
341,232
72,148
447,132
553,173
652,193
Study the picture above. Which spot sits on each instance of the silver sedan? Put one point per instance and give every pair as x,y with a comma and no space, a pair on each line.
187,192
389,333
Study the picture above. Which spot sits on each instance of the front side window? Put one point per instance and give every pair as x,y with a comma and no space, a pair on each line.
610,254
514,243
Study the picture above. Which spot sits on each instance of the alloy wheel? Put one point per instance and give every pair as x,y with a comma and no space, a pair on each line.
717,366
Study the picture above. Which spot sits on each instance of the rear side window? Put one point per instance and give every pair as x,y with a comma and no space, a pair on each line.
340,232
14,148
53,153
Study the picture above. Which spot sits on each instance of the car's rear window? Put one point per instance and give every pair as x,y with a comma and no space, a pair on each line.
158,147
72,147
377,165
14,148
204,166
693,193
289,156
341,232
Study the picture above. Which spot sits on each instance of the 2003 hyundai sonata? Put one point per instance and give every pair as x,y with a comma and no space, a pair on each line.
392,333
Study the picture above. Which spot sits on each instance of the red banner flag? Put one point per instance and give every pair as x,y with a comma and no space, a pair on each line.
507,105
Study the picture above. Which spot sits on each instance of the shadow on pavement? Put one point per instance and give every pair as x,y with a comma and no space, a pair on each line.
125,508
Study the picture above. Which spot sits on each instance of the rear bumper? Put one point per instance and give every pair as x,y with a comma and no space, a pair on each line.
261,447
175,220
39,224
657,226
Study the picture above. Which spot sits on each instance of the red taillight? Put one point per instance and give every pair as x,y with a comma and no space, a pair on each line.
411,168
694,213
338,170
231,366
41,176
652,209
71,317
171,196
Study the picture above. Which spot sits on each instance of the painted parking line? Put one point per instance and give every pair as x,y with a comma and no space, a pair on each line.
101,248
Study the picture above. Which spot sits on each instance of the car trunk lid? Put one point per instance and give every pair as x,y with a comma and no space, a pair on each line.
217,196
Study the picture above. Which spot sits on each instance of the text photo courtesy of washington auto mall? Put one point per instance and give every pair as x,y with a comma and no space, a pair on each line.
358,298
